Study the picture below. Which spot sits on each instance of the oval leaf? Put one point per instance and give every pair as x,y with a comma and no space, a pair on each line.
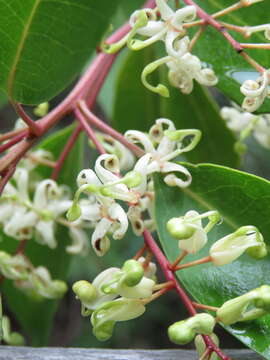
44,44
242,199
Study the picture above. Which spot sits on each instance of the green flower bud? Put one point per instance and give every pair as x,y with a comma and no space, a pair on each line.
132,179
59,288
42,109
134,272
182,332
85,291
263,302
74,212
179,229
16,339
240,148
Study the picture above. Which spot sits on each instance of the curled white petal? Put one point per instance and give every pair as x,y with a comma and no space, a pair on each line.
136,137
99,240
45,233
87,176
172,179
117,213
80,241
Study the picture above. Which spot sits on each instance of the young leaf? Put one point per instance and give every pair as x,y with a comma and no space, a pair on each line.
45,44
241,199
137,108
36,317
231,68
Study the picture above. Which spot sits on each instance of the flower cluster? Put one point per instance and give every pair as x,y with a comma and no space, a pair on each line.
245,123
104,186
192,237
166,25
24,217
34,282
116,295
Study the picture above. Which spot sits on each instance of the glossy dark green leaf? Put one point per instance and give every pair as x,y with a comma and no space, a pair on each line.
36,317
230,67
44,44
242,199
137,108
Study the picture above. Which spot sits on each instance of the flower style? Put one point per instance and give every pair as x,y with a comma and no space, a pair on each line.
230,247
255,92
250,306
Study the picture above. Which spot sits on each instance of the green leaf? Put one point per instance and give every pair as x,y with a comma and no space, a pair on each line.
36,317
136,107
242,199
44,44
215,50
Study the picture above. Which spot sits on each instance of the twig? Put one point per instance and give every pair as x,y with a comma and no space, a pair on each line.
96,122
89,131
5,178
68,147
193,263
12,142
34,128
205,307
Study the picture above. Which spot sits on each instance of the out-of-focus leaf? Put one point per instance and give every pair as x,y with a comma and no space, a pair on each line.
44,44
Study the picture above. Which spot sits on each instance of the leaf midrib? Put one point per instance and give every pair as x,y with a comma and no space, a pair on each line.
20,48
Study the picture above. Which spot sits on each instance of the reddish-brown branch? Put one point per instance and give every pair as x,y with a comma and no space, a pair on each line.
169,275
34,128
68,147
96,122
140,252
5,178
193,263
12,142
208,19
11,134
89,131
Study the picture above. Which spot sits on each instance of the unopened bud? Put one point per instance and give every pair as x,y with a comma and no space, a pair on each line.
85,291
42,109
179,229
134,272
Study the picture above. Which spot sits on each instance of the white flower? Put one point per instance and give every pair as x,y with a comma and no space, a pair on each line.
157,159
230,247
169,28
253,29
255,92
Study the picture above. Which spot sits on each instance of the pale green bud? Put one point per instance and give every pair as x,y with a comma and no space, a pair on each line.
132,179
42,109
85,291
74,212
240,148
59,288
182,332
263,302
134,272
16,339
179,229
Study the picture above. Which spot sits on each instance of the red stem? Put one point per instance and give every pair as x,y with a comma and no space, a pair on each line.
34,128
6,177
211,21
68,147
89,131
96,122
169,275
12,142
